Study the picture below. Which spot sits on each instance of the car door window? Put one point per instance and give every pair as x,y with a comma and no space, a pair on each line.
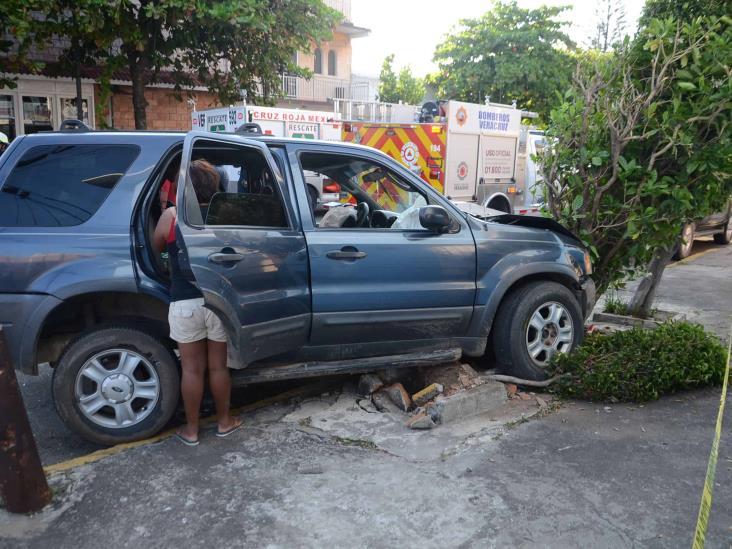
246,191
371,195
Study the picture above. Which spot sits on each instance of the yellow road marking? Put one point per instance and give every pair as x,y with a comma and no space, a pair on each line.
705,506
106,452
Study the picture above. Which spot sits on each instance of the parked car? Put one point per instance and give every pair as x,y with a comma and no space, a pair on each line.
719,225
82,290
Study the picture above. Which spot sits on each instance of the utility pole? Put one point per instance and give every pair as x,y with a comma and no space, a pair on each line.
23,486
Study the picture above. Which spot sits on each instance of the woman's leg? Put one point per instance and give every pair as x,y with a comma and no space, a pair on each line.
220,382
193,363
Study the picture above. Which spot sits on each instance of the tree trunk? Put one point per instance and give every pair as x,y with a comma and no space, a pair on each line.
77,75
645,293
139,103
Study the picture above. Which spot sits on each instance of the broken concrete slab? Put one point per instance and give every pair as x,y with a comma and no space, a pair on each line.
421,398
422,420
480,399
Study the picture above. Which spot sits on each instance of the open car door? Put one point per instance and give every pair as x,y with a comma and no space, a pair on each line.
244,246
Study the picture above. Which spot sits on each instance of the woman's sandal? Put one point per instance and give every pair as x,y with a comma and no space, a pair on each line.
236,427
186,441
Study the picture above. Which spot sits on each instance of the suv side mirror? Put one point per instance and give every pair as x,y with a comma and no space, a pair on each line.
434,218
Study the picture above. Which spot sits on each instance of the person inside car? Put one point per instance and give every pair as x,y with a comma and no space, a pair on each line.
198,331
4,142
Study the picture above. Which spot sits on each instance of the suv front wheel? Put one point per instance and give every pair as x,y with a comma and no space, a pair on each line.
116,385
534,323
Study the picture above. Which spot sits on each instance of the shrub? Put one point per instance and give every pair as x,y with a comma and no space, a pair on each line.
641,365
616,306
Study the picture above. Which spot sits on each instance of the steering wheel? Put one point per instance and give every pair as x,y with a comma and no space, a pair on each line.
362,214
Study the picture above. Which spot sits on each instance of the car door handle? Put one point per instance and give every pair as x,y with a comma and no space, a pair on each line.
223,257
346,253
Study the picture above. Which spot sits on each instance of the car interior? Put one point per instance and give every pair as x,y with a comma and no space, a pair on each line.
374,197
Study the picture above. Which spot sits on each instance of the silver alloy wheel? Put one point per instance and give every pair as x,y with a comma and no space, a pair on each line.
117,388
550,331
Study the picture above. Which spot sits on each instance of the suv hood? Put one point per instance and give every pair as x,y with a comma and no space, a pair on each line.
534,222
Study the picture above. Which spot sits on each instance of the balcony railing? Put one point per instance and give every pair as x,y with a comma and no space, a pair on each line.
322,89
343,6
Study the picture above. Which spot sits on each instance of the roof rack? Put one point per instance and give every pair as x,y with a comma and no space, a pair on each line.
73,125
250,128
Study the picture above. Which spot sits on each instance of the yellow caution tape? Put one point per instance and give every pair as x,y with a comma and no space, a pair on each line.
706,500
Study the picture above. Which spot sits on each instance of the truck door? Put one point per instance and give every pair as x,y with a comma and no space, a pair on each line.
461,173
245,247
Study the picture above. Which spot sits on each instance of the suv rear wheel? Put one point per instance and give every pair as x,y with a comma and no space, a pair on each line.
116,385
534,323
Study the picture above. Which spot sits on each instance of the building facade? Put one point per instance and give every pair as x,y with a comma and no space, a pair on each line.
42,103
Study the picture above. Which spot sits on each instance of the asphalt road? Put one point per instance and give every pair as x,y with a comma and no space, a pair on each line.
700,286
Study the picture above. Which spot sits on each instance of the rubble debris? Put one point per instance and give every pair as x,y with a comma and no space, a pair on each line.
369,384
541,402
383,403
421,421
428,393
511,389
453,377
399,396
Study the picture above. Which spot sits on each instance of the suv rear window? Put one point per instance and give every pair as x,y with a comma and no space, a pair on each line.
62,185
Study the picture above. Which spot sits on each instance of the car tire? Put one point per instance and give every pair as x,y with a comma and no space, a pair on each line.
725,237
687,242
523,344
313,197
116,384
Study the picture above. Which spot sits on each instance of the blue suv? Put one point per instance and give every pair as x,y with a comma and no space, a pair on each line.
395,275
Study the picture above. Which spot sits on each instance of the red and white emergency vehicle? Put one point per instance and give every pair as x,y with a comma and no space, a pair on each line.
471,153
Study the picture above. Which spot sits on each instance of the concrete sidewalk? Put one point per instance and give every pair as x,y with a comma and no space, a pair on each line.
585,476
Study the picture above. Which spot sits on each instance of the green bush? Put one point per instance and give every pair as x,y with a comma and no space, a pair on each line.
640,365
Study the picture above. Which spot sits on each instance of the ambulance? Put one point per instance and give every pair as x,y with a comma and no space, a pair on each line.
477,155
295,123
273,121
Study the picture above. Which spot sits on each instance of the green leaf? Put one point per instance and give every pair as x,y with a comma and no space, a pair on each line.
577,202
686,85
596,161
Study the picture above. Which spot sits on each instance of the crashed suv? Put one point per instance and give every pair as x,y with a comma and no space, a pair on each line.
397,276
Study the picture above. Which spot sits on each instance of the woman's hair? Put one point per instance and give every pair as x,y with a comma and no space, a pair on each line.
205,180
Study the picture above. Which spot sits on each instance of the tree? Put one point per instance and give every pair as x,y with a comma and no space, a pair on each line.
410,89
16,22
388,82
509,53
406,87
642,144
609,24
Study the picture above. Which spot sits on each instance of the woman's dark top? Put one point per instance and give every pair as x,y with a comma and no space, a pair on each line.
181,287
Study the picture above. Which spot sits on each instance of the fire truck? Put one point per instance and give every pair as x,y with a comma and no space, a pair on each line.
472,153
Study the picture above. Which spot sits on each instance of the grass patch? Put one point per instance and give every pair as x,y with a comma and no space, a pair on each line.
640,365
615,306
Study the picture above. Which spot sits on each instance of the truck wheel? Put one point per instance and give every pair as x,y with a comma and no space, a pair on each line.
725,237
534,323
687,241
116,385
313,197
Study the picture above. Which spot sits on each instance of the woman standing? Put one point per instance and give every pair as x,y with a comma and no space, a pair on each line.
198,331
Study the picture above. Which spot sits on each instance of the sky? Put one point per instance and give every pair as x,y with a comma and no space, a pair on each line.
411,29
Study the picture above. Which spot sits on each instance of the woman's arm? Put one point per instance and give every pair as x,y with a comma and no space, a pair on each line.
162,229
